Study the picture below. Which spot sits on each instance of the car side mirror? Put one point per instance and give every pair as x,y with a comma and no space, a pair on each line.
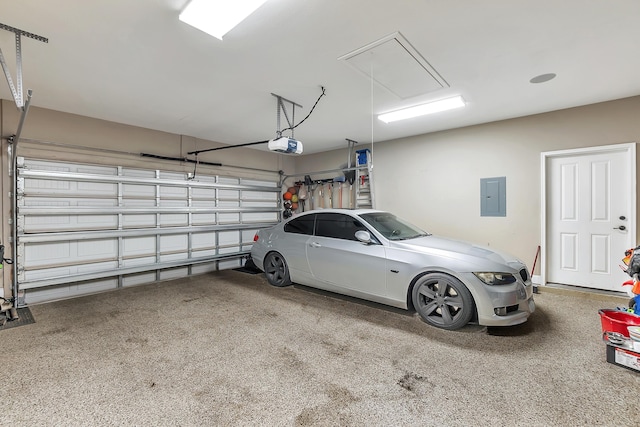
363,236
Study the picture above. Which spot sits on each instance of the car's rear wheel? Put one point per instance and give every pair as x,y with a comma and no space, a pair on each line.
276,270
442,301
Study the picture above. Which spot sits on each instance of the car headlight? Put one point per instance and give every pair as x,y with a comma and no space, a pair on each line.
496,278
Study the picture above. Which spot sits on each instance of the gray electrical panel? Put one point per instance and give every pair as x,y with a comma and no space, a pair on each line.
493,196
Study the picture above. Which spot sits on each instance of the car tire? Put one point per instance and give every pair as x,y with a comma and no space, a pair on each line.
442,301
276,270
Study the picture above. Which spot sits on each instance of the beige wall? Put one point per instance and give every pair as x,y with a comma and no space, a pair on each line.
115,140
433,180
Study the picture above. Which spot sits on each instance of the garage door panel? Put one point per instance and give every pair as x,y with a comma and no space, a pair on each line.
205,268
228,264
203,240
229,237
229,218
138,245
95,222
56,241
94,169
138,261
45,186
174,220
229,250
203,219
34,186
229,194
259,204
36,296
201,253
96,266
42,224
45,253
138,279
138,173
203,193
35,274
260,217
94,188
83,251
138,221
138,203
173,192
133,190
88,202
258,182
172,176
259,195
39,223
41,274
172,243
174,273
203,203
94,249
173,257
228,180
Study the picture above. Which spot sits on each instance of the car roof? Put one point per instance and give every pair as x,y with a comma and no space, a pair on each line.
336,210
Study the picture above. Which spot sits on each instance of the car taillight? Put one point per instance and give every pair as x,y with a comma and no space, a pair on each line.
255,238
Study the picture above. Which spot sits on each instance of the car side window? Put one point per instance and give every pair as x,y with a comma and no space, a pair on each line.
300,225
338,226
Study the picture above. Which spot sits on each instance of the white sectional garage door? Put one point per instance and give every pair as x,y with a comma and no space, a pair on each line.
86,228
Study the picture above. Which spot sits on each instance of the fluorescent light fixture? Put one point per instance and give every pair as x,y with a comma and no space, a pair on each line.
423,109
218,17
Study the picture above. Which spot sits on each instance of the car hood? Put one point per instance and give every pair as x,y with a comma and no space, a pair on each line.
469,252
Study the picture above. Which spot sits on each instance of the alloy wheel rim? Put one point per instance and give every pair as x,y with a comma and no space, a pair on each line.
440,302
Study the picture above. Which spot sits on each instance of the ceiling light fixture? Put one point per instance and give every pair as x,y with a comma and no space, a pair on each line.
218,17
423,109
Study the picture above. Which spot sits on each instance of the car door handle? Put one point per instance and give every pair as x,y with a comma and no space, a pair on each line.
315,245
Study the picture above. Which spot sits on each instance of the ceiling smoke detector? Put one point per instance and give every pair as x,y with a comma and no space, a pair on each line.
543,78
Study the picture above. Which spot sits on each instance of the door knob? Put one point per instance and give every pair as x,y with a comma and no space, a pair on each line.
622,218
621,228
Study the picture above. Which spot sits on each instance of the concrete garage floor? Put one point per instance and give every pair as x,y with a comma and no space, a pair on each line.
228,349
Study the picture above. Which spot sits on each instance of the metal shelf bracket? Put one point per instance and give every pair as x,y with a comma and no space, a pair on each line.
17,92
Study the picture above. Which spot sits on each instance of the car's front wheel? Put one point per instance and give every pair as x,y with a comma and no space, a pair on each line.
276,270
442,301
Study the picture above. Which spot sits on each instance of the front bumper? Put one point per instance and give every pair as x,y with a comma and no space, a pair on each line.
504,305
519,314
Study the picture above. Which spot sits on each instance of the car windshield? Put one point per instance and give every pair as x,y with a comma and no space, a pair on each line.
392,227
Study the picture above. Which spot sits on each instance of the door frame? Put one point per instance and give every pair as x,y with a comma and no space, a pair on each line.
629,148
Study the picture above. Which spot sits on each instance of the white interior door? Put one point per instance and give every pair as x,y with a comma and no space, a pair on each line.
590,215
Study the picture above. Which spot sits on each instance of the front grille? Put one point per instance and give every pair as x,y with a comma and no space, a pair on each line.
524,274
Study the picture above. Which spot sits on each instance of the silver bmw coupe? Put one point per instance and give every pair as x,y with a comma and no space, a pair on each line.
376,256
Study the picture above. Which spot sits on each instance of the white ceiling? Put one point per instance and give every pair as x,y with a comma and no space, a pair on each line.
134,62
